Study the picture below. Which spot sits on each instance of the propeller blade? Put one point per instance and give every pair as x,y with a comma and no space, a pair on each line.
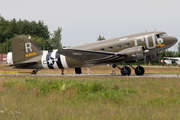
158,58
144,54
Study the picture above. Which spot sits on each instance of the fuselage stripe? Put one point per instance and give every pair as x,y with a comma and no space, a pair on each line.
43,60
59,61
63,61
53,55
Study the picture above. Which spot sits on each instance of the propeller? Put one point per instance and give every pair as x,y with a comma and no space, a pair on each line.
158,58
144,54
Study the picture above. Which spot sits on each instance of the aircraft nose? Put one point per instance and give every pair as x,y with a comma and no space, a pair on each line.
173,39
170,40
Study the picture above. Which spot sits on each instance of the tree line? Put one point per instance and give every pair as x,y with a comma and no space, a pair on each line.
38,30
42,37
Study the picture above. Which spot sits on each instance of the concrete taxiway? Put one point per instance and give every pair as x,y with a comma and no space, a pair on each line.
117,75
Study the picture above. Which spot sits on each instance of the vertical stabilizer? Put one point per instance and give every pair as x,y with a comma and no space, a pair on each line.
23,49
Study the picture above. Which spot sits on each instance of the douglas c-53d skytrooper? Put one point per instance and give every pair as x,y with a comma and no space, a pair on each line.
126,49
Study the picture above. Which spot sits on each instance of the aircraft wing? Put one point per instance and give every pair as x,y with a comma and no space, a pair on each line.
173,58
92,57
168,57
168,61
22,64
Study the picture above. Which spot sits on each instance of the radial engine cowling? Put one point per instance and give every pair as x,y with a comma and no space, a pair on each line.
152,57
134,53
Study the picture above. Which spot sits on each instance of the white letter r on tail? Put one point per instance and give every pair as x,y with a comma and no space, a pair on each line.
28,46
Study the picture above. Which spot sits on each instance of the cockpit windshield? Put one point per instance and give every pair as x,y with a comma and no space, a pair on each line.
162,34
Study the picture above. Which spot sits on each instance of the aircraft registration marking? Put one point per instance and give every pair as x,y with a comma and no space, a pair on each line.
30,54
146,41
77,53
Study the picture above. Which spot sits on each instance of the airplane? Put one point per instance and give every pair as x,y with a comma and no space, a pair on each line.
126,49
169,60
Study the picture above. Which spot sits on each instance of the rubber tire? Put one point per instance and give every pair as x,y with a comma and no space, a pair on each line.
34,72
128,71
141,71
78,70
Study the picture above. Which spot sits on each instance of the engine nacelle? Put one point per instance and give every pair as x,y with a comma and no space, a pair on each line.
152,57
134,53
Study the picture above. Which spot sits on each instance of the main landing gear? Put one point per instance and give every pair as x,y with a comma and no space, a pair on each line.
35,71
125,70
139,70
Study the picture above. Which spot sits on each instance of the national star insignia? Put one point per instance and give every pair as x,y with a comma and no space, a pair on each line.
50,61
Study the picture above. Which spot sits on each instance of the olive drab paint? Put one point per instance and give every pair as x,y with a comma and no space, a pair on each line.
53,60
147,41
24,50
124,49
153,41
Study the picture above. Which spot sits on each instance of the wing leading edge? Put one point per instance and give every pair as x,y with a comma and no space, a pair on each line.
22,64
92,57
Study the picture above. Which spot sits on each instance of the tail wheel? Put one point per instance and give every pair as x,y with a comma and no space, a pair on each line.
34,72
126,71
139,70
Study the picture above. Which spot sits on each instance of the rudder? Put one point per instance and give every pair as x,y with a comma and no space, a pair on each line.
23,49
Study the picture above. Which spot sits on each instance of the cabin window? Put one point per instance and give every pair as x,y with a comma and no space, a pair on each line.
127,44
119,46
110,48
102,49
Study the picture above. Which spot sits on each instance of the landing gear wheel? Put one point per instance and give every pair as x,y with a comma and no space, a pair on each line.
126,71
139,70
34,72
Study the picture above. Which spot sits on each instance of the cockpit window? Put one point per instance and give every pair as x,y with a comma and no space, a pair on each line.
162,34
157,35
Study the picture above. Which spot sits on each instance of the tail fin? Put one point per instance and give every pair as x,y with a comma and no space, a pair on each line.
23,49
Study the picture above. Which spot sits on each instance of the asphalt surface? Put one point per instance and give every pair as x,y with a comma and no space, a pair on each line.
118,75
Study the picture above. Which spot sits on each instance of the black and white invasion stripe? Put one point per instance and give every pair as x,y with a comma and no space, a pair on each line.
58,60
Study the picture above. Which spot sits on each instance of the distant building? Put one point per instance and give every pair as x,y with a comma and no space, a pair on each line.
3,57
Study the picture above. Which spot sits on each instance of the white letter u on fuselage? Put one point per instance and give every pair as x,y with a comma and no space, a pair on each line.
147,42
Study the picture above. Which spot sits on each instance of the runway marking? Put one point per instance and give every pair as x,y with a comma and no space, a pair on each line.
13,72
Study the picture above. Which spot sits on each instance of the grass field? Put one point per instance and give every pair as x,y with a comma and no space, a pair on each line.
90,97
38,97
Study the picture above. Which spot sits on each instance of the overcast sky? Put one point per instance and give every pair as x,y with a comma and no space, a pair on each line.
82,21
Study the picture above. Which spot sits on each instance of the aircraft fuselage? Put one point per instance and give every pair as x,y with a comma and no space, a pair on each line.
124,49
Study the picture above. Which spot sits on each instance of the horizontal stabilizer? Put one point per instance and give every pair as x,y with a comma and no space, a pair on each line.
92,57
